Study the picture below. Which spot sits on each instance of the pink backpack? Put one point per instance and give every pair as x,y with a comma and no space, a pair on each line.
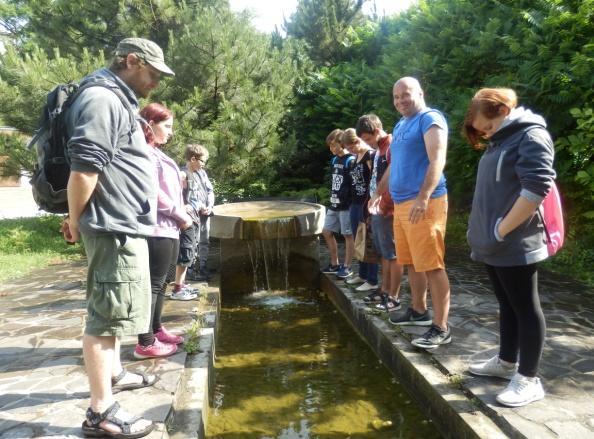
552,217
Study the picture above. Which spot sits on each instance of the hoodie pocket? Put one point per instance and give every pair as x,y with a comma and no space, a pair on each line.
481,238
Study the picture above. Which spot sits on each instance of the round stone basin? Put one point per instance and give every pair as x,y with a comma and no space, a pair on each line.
271,219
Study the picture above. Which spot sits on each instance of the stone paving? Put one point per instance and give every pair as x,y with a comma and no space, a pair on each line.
43,388
567,367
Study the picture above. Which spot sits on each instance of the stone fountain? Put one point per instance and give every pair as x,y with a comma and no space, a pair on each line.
268,245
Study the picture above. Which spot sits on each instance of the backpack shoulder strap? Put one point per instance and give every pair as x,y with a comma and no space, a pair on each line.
114,89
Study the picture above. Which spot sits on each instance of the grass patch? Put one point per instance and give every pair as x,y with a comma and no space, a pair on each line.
29,243
575,259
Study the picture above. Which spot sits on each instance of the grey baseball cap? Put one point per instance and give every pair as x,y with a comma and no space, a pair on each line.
147,50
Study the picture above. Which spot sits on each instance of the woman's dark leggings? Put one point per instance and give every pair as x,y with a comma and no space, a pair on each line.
162,254
521,321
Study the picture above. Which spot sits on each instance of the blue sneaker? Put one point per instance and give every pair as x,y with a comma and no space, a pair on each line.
344,272
331,269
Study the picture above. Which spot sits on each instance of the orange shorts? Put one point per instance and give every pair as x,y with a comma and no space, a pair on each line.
422,244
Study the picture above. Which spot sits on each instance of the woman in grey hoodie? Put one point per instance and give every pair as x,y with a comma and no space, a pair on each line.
505,232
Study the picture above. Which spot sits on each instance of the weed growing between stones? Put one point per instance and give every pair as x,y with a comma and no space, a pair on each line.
456,380
194,331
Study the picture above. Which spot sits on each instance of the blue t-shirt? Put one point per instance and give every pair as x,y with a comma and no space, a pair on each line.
409,155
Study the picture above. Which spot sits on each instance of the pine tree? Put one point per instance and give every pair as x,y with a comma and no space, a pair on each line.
325,25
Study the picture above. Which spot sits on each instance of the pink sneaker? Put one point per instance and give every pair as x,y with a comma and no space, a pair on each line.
157,349
163,335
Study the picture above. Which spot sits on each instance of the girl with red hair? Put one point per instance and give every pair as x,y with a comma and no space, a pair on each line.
164,243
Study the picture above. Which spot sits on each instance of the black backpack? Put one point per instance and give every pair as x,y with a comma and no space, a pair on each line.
52,171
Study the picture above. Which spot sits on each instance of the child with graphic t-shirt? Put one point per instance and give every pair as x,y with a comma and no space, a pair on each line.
360,177
337,214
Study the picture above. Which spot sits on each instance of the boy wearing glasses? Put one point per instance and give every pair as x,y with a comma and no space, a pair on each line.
199,201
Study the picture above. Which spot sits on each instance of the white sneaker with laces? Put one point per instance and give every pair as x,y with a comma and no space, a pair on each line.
366,287
183,294
355,280
493,368
520,391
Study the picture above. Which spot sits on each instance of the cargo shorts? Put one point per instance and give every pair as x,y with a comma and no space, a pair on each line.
118,285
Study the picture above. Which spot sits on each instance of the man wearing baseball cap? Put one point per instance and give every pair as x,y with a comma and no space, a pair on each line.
147,51
112,207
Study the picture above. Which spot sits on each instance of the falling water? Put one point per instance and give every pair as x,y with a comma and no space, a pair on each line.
269,252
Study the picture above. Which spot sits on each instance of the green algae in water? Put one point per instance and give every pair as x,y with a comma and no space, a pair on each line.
289,366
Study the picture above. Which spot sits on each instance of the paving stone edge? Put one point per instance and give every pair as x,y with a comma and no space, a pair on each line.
189,411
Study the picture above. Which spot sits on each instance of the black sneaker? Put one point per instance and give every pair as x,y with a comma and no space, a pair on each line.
332,269
411,318
433,338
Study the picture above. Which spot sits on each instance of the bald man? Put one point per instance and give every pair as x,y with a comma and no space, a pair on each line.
418,187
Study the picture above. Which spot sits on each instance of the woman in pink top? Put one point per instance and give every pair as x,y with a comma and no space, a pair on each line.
164,244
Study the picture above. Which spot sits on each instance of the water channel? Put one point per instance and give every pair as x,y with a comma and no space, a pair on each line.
289,366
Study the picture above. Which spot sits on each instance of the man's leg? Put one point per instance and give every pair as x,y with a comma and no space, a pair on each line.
101,352
117,367
439,285
98,353
418,289
428,256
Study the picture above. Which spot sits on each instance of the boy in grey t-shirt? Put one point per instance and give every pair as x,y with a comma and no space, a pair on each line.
199,199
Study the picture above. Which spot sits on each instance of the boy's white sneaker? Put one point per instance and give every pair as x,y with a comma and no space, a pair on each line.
493,368
520,391
367,287
354,280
